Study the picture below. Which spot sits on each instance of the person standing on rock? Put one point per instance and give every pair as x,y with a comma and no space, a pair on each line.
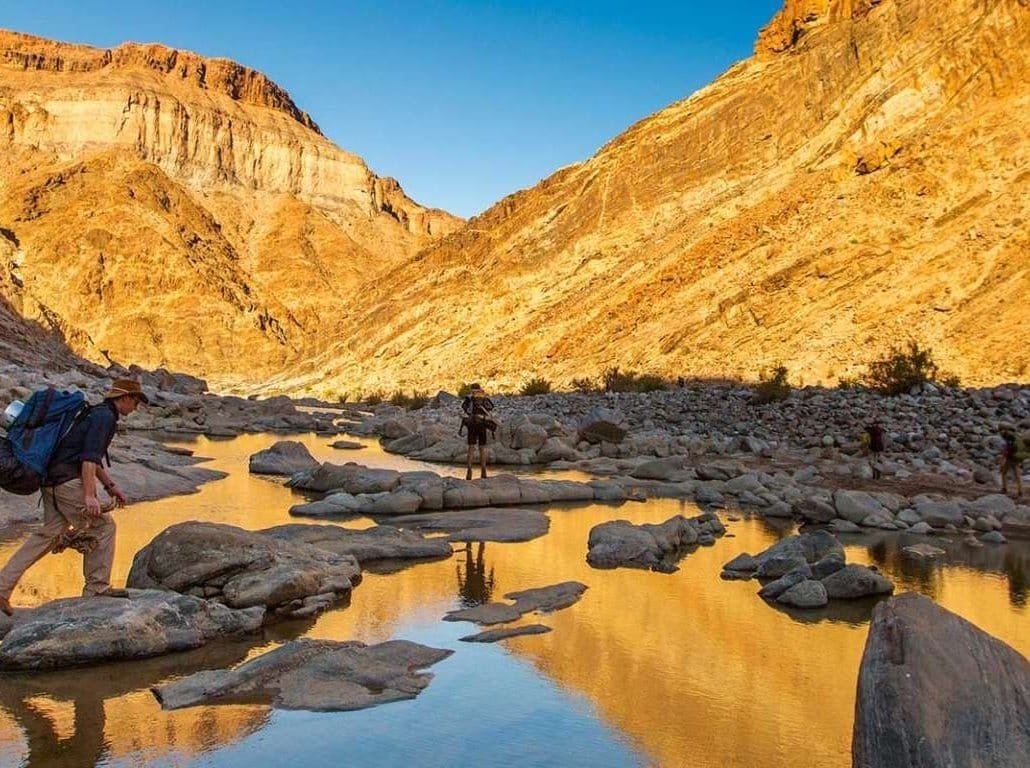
73,515
1013,453
477,407
872,439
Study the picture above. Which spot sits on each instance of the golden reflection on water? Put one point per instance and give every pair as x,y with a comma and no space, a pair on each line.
691,669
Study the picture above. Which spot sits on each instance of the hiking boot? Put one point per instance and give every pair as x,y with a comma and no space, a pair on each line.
5,606
468,474
482,474
113,592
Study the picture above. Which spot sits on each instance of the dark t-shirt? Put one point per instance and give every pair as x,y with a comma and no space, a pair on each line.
87,440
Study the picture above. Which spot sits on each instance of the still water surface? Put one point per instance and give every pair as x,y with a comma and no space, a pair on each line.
646,670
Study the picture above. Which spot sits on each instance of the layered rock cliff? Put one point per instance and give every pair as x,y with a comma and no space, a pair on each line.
860,182
182,211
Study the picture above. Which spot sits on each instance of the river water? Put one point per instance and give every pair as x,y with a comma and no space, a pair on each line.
647,669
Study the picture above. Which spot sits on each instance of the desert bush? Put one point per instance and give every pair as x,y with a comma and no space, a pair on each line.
464,390
649,382
615,380
772,386
584,385
848,382
536,386
901,370
419,399
375,397
951,380
399,398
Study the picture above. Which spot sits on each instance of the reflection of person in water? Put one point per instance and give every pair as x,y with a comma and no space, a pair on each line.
85,746
475,586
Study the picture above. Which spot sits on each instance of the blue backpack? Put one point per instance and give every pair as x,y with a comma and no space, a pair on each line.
33,437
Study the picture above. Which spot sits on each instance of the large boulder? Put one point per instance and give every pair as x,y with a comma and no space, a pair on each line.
602,425
856,506
855,581
284,458
656,547
77,631
349,477
939,514
243,569
316,675
793,551
934,690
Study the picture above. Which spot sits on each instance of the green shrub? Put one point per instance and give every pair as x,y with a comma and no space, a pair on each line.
584,385
951,381
614,380
848,382
536,386
375,397
901,370
772,387
464,390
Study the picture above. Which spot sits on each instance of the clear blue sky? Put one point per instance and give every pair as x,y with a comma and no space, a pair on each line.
463,102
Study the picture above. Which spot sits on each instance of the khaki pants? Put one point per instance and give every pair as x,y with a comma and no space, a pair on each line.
63,508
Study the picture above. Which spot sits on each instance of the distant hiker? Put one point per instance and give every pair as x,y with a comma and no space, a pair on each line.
1013,453
73,516
477,407
872,441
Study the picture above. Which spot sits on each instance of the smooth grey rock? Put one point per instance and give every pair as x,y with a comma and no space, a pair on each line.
832,563
241,567
602,425
346,445
6,622
284,458
493,635
921,529
787,554
923,551
854,581
90,630
350,477
540,600
742,562
774,589
856,506
366,546
940,513
672,469
620,543
844,526
934,690
485,524
805,594
315,675
814,510
993,537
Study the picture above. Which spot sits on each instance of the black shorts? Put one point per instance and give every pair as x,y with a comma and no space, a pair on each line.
477,434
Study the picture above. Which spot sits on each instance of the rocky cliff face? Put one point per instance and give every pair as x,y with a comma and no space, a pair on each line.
860,182
176,210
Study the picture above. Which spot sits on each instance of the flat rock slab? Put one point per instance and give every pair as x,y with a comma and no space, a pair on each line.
540,599
314,675
284,458
934,690
923,552
506,524
382,542
493,635
243,568
620,543
346,445
77,631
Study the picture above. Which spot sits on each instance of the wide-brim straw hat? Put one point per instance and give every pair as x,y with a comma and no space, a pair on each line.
122,387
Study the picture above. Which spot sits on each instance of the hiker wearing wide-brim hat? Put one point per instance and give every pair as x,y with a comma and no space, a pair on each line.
126,387
477,407
73,515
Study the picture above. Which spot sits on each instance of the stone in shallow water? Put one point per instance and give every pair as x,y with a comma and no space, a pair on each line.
316,675
934,689
493,635
381,542
540,599
657,547
90,630
283,458
486,524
